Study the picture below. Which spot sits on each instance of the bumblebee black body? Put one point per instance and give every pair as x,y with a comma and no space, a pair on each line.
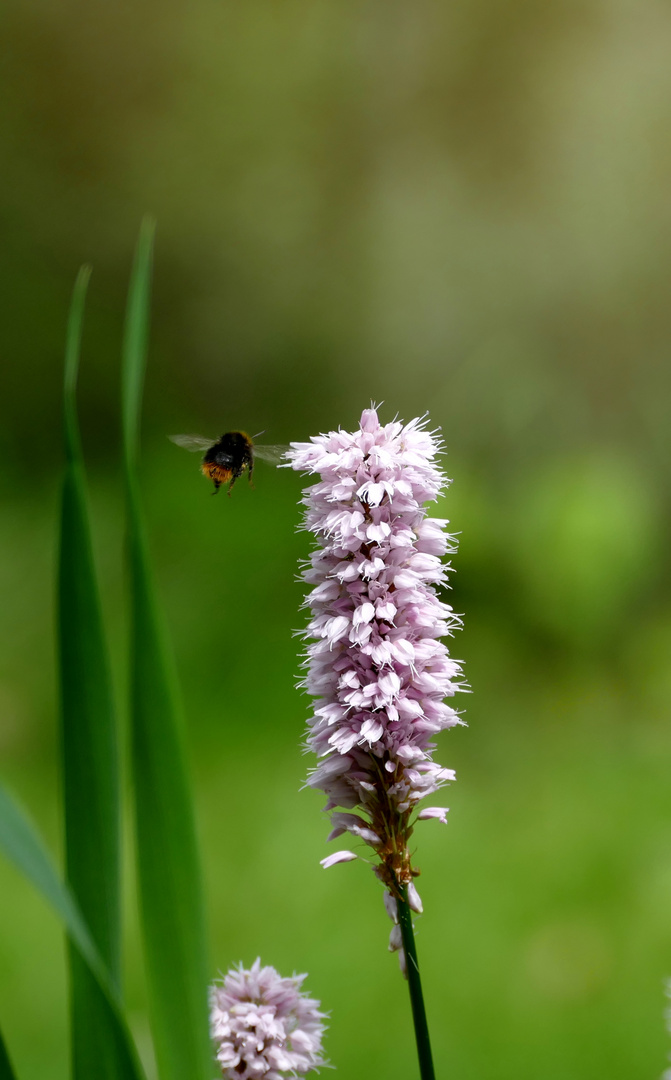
231,455
228,459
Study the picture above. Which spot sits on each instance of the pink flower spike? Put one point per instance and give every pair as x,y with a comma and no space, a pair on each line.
338,856
376,662
262,1025
439,812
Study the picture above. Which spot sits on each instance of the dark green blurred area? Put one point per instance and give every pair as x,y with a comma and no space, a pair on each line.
456,208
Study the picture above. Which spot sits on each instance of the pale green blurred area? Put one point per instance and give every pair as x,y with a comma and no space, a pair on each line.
456,208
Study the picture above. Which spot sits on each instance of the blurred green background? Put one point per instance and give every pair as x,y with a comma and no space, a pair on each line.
462,208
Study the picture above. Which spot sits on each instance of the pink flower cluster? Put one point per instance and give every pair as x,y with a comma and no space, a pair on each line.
375,659
263,1026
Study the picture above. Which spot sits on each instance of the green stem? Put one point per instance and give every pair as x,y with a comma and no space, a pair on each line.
415,986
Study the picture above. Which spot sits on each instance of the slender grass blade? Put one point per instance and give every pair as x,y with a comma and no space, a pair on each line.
22,846
89,745
6,1070
168,865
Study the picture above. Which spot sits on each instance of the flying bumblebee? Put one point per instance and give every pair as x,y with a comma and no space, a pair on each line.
230,456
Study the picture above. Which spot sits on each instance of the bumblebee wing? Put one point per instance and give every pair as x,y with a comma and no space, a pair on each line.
192,442
274,455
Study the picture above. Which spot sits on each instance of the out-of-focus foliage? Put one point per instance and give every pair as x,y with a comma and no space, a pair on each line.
169,885
461,208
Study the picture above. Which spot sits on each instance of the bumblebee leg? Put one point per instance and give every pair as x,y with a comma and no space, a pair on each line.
230,486
217,485
251,470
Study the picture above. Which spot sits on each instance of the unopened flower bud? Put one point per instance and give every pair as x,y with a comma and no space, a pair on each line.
395,938
414,901
391,906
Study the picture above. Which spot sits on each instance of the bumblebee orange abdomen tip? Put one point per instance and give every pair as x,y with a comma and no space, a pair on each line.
215,472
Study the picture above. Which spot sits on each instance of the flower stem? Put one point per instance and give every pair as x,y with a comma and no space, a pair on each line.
415,986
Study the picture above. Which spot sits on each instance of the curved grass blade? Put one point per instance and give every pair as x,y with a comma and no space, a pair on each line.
22,846
6,1070
89,745
168,866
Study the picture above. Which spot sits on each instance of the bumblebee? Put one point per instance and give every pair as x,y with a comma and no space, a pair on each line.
230,456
